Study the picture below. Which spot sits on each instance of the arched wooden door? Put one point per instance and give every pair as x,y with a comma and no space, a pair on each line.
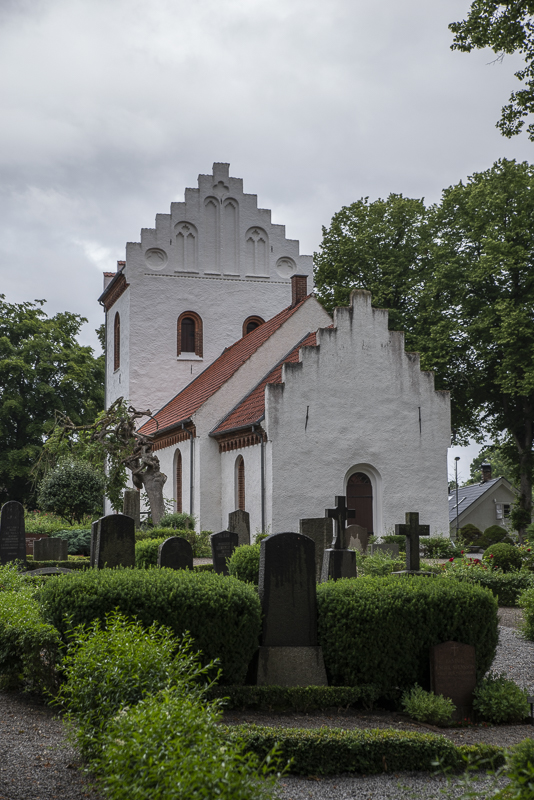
360,498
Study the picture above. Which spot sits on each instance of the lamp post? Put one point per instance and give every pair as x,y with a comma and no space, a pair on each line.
456,460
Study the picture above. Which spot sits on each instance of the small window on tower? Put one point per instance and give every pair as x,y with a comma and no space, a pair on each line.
189,334
251,323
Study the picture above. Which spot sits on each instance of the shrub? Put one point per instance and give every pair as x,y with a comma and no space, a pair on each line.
294,698
385,627
332,751
520,771
393,539
170,747
470,533
492,535
222,614
505,586
500,700
73,563
146,552
379,563
28,646
72,490
108,669
438,546
526,602
503,556
428,707
11,580
182,521
78,540
244,563
47,523
200,542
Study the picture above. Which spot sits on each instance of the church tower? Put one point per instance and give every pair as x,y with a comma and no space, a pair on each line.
209,272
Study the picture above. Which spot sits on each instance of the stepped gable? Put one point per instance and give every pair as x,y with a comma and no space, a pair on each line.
190,399
252,408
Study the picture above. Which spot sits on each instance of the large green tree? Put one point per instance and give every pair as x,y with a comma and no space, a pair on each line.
43,369
505,27
471,315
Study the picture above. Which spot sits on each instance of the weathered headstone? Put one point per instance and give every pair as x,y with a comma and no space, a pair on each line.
30,539
386,547
412,530
356,538
321,530
12,533
175,553
92,552
289,655
115,542
223,545
131,506
50,549
239,522
339,562
453,674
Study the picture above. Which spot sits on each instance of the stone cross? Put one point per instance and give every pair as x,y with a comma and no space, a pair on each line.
412,530
340,514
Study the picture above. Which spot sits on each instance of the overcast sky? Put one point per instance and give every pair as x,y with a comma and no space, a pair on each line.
110,108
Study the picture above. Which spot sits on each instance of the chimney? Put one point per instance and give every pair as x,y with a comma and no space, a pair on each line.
486,472
299,288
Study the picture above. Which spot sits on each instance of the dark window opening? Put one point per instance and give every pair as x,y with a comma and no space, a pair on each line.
360,498
188,335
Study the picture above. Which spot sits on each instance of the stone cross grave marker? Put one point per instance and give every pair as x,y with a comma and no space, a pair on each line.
453,674
115,542
412,530
131,506
239,522
50,549
289,655
223,545
321,530
175,553
339,562
12,533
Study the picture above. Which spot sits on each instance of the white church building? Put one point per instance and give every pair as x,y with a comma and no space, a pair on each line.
261,400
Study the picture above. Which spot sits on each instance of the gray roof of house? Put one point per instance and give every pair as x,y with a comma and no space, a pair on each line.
467,495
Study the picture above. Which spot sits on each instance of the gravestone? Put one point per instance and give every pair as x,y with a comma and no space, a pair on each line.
115,542
289,655
30,539
92,552
339,562
386,547
12,533
175,553
223,545
412,530
453,674
321,530
50,549
131,506
356,538
239,522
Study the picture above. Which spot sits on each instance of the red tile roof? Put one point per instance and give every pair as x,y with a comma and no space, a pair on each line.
252,408
189,400
109,274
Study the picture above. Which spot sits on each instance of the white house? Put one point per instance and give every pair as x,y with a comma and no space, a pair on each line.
282,418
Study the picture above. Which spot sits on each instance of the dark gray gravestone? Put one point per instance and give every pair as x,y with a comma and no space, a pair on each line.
239,522
289,655
12,533
321,530
356,538
30,539
115,542
48,549
131,506
386,547
223,545
175,553
412,530
453,674
92,552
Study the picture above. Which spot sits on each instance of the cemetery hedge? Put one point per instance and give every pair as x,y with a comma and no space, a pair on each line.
294,698
222,614
505,586
333,751
146,552
380,629
75,563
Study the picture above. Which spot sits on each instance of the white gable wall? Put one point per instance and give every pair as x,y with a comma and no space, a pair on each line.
361,394
118,381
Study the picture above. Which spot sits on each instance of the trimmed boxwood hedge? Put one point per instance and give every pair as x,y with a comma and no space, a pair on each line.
380,629
332,751
294,698
75,563
505,586
222,614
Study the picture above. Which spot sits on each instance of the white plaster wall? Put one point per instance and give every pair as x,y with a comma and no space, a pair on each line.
219,286
361,394
252,459
166,460
117,381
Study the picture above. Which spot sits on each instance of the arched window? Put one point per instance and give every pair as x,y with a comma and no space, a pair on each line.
251,323
117,342
178,481
240,483
360,498
189,334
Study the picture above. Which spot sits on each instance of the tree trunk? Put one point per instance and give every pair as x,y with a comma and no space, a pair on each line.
154,481
524,446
